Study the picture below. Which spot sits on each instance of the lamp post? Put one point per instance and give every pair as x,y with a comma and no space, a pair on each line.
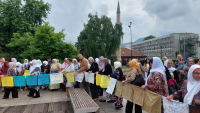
131,38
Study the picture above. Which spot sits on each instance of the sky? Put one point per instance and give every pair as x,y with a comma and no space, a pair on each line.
148,17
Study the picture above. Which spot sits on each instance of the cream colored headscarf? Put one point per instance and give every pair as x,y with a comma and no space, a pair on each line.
54,65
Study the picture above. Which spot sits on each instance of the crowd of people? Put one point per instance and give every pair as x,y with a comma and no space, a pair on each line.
177,80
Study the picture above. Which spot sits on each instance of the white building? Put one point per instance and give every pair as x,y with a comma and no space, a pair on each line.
168,45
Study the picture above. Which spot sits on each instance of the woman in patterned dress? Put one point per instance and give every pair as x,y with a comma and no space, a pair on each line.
190,90
156,81
118,74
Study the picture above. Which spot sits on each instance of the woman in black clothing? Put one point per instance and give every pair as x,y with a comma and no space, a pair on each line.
118,74
12,71
93,68
44,66
107,70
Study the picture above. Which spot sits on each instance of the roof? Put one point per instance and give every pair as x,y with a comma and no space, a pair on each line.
127,53
118,8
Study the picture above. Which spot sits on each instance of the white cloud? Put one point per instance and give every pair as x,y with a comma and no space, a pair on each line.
148,17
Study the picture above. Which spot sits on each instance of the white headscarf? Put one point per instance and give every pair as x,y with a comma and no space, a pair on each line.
171,69
39,61
157,67
192,86
97,60
117,64
165,62
19,69
24,62
31,67
35,64
45,62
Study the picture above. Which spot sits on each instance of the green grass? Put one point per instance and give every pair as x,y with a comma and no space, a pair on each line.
126,71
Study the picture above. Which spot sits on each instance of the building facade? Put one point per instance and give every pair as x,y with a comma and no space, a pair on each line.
168,45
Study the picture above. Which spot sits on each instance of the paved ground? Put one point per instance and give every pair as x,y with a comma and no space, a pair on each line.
48,96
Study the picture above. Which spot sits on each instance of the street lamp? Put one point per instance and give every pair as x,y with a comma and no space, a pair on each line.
131,38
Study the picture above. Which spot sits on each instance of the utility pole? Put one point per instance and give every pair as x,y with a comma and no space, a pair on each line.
161,53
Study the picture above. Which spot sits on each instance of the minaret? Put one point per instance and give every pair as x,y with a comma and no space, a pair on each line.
118,15
118,54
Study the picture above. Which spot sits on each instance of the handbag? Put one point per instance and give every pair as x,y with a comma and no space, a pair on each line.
139,80
173,88
64,78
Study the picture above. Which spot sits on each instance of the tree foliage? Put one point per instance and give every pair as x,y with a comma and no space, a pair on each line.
44,43
149,37
16,17
99,37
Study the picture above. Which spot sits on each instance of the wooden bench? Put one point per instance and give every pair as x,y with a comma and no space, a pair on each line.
82,102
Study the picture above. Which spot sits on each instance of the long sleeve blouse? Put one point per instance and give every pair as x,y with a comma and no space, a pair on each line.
156,84
131,76
180,94
94,67
107,70
69,68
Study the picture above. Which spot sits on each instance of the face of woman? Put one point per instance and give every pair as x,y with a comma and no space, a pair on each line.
44,64
179,58
199,59
190,62
25,61
75,62
65,61
7,64
151,64
147,61
53,61
196,74
57,61
183,59
68,62
31,64
164,59
104,63
169,64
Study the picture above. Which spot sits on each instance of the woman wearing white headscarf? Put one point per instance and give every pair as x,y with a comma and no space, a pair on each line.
165,61
97,60
190,91
26,65
14,60
36,70
156,81
20,70
118,74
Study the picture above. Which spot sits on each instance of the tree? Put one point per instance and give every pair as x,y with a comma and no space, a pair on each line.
149,37
45,42
18,18
99,37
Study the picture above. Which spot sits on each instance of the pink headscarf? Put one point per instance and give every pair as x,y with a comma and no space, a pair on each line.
14,60
64,64
12,66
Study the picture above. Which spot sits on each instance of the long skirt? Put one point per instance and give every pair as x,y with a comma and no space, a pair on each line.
118,100
106,96
94,91
54,86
